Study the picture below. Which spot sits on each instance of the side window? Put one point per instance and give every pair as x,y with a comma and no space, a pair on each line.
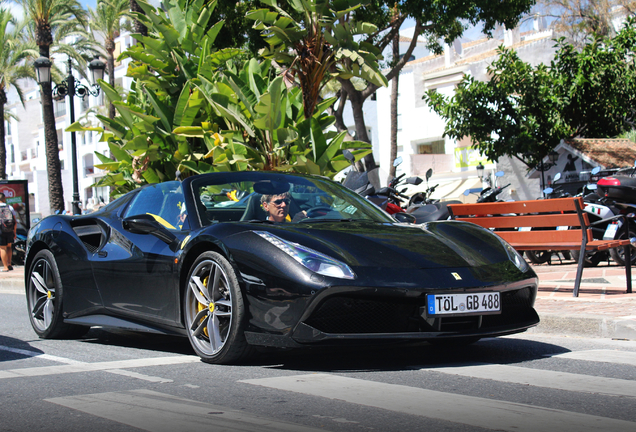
163,201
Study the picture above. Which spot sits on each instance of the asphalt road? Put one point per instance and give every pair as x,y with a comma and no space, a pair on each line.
114,381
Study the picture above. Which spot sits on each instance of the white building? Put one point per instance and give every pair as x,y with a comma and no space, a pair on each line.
420,131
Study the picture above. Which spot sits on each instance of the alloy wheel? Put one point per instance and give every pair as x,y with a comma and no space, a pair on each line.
209,307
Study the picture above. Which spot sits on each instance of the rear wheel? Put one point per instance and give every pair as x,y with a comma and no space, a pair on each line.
44,294
539,256
214,311
618,254
592,259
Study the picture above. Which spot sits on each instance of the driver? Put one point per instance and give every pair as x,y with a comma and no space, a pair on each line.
276,206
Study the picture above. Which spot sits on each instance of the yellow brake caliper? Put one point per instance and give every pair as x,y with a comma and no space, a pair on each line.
201,306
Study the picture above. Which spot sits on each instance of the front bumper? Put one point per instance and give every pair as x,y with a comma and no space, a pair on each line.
368,315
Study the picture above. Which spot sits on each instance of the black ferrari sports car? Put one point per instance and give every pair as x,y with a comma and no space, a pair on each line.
241,259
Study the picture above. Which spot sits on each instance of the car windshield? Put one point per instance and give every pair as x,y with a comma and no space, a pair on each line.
278,198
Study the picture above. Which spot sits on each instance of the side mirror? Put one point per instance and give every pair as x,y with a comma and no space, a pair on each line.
596,170
414,180
592,186
500,174
404,217
548,191
557,177
397,161
146,224
429,173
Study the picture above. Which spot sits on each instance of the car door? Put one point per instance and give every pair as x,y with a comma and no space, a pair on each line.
136,273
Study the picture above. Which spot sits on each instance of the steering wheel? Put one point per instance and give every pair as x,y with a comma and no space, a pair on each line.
318,211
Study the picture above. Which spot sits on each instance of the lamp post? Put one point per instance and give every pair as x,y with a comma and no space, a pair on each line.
480,173
554,157
71,88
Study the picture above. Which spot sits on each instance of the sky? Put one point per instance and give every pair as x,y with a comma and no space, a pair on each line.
88,3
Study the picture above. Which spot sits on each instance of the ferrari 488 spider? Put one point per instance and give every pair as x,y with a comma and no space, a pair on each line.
244,259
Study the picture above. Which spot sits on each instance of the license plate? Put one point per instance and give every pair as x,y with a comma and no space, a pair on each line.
610,231
464,304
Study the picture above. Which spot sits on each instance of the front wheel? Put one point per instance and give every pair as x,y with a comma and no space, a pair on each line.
618,254
44,295
214,311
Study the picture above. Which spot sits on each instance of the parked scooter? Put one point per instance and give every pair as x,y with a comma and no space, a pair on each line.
619,193
393,200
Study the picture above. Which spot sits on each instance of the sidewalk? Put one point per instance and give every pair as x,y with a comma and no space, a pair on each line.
601,310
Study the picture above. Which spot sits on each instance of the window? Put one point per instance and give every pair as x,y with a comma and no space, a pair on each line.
433,147
162,201
59,108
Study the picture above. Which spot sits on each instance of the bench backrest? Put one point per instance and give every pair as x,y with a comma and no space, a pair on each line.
530,222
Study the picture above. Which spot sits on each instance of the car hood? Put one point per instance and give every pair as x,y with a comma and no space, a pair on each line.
406,246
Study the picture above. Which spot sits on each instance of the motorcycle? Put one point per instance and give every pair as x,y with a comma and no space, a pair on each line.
392,200
619,193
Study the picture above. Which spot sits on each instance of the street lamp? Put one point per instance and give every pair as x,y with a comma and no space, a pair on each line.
543,166
480,172
71,88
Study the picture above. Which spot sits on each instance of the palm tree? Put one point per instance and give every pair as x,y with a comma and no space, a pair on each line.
51,21
139,27
108,20
14,50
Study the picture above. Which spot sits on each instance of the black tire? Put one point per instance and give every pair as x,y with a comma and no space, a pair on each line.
592,259
618,254
538,256
221,313
44,293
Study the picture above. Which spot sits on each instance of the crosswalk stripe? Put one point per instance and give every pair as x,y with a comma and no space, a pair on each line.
480,412
74,366
158,412
606,356
40,355
543,378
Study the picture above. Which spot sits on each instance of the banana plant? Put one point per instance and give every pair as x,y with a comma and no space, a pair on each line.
161,97
266,125
324,45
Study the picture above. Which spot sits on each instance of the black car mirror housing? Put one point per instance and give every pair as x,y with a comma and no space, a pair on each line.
146,224
404,217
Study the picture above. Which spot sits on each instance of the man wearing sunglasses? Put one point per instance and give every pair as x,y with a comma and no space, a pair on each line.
276,207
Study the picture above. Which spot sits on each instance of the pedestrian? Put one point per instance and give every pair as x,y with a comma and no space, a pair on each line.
8,227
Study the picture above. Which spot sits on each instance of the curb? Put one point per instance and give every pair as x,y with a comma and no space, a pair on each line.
622,328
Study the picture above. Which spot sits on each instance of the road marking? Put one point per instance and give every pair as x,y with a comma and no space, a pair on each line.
74,366
606,356
39,355
158,412
543,378
480,412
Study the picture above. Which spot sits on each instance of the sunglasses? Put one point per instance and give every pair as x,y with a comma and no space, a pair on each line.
281,201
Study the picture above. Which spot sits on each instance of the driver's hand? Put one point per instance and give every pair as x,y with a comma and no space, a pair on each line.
300,216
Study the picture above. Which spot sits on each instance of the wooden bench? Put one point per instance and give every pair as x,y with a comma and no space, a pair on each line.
544,222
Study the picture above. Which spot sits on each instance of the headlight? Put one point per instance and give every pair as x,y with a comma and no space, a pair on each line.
313,260
514,256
